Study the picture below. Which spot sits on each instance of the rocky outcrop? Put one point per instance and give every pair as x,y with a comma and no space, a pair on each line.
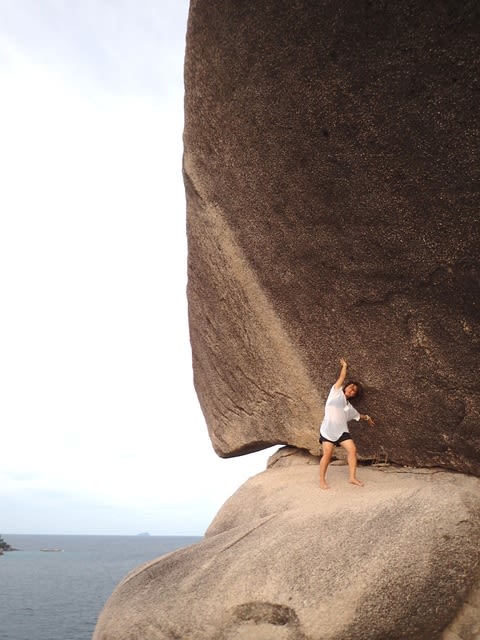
332,177
395,559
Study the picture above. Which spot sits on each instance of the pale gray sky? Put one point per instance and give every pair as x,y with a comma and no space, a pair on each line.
100,426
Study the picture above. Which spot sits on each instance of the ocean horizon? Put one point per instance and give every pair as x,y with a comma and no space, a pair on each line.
54,586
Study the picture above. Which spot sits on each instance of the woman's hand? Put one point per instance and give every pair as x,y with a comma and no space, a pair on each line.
343,362
369,420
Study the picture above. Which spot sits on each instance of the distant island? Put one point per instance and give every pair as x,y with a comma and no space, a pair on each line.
4,546
144,533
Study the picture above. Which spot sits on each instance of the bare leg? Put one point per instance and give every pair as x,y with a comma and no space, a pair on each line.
351,450
327,448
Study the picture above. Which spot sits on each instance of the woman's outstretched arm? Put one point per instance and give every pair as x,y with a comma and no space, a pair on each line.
343,373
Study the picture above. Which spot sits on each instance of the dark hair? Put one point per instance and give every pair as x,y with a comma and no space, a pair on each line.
359,388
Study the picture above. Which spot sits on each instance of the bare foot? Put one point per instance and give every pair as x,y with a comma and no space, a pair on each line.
324,485
356,482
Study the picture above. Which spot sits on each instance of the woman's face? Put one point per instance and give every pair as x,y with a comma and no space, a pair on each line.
350,390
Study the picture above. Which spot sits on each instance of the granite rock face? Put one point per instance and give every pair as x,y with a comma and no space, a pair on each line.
282,560
332,178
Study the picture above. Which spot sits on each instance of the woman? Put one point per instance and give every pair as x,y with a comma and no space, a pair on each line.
334,427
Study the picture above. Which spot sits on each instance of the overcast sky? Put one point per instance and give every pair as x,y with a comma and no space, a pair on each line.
100,428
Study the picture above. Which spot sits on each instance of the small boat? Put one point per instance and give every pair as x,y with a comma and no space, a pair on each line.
52,549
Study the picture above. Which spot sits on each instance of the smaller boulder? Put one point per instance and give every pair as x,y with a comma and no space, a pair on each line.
285,560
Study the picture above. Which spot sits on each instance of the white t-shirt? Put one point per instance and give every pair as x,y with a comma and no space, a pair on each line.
338,412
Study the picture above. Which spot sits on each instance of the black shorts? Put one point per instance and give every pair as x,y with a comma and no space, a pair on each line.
345,436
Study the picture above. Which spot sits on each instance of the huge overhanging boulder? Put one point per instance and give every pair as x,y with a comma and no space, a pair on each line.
331,169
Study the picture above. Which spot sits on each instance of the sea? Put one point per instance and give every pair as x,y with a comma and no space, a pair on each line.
58,595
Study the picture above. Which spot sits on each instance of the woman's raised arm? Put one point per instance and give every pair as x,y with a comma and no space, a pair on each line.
343,374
